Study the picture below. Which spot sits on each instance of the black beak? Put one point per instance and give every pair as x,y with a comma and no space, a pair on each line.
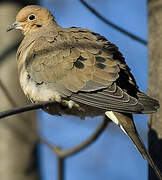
13,26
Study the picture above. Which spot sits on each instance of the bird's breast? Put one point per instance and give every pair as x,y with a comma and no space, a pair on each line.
37,92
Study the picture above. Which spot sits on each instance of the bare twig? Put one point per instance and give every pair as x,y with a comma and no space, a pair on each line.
26,108
61,154
14,104
61,168
64,153
87,142
56,149
108,22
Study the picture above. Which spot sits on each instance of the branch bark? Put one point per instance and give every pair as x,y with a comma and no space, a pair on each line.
155,81
60,153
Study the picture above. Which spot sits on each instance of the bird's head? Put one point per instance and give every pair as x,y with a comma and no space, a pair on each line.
32,17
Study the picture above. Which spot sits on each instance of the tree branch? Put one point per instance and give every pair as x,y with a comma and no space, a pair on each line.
64,153
109,23
61,154
61,168
30,107
57,150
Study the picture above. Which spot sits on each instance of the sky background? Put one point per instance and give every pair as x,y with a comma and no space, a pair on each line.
112,156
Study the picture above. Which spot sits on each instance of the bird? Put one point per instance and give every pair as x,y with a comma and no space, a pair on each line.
80,70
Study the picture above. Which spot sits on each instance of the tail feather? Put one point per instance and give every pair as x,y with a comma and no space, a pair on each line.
150,105
125,122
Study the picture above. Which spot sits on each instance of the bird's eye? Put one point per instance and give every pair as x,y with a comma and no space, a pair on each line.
31,17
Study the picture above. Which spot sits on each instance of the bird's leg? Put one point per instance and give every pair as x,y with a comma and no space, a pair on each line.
71,104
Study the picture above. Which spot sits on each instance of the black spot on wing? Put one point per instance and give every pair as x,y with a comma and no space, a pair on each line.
100,65
100,59
80,58
78,64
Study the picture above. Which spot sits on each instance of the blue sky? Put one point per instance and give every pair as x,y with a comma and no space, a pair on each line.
113,155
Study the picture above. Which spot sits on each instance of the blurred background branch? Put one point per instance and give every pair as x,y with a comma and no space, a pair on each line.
111,24
155,81
8,51
18,146
61,154
18,135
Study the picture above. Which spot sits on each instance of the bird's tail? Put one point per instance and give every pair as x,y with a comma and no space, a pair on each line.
150,104
125,122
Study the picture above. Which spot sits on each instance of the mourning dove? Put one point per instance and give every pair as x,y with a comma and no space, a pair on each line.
80,70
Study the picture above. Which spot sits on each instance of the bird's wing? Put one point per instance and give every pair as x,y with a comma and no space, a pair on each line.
86,67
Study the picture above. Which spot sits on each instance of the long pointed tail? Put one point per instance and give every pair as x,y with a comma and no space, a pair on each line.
125,122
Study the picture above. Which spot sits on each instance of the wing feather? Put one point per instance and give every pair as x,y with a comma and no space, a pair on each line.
86,68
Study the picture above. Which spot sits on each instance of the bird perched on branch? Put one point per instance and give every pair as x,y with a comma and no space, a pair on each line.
81,71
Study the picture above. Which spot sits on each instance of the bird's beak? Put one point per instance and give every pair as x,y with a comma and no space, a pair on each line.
15,25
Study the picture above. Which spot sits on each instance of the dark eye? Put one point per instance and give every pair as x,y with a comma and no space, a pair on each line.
31,17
